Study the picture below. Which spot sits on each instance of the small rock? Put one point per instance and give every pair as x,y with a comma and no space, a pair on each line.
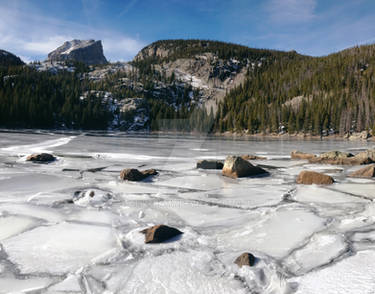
245,259
252,157
95,198
132,174
210,164
366,172
310,177
41,157
295,154
236,167
160,233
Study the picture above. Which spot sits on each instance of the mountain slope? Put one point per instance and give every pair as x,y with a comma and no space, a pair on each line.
335,93
9,59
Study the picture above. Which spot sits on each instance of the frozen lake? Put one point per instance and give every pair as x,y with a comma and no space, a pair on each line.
307,239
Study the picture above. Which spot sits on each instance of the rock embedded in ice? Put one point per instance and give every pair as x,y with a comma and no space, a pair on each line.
132,174
41,157
310,177
210,164
245,259
295,154
92,197
366,172
236,167
160,233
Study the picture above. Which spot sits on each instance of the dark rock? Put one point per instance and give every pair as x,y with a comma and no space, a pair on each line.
160,233
310,177
366,172
132,174
89,52
42,157
236,167
210,164
301,155
245,259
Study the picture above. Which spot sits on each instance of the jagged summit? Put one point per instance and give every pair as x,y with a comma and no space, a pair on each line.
86,51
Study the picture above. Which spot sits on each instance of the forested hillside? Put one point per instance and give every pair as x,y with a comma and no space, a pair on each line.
32,99
169,83
335,93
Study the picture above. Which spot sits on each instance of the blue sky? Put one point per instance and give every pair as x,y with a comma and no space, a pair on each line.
32,28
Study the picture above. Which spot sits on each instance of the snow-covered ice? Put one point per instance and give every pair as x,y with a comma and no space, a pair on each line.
72,226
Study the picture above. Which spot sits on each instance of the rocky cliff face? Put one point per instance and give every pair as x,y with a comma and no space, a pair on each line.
89,52
207,72
9,59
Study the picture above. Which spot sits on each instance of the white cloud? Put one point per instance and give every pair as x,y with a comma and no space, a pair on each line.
291,11
27,33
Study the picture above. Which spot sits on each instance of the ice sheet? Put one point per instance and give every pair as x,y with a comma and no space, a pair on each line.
60,248
353,275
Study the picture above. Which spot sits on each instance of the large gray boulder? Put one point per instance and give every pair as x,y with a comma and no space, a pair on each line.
89,52
237,167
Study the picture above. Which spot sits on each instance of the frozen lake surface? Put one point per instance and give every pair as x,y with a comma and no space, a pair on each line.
307,239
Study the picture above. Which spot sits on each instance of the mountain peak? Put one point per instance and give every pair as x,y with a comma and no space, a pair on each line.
86,51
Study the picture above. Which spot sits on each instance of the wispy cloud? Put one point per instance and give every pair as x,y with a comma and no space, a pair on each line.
290,11
33,35
127,7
